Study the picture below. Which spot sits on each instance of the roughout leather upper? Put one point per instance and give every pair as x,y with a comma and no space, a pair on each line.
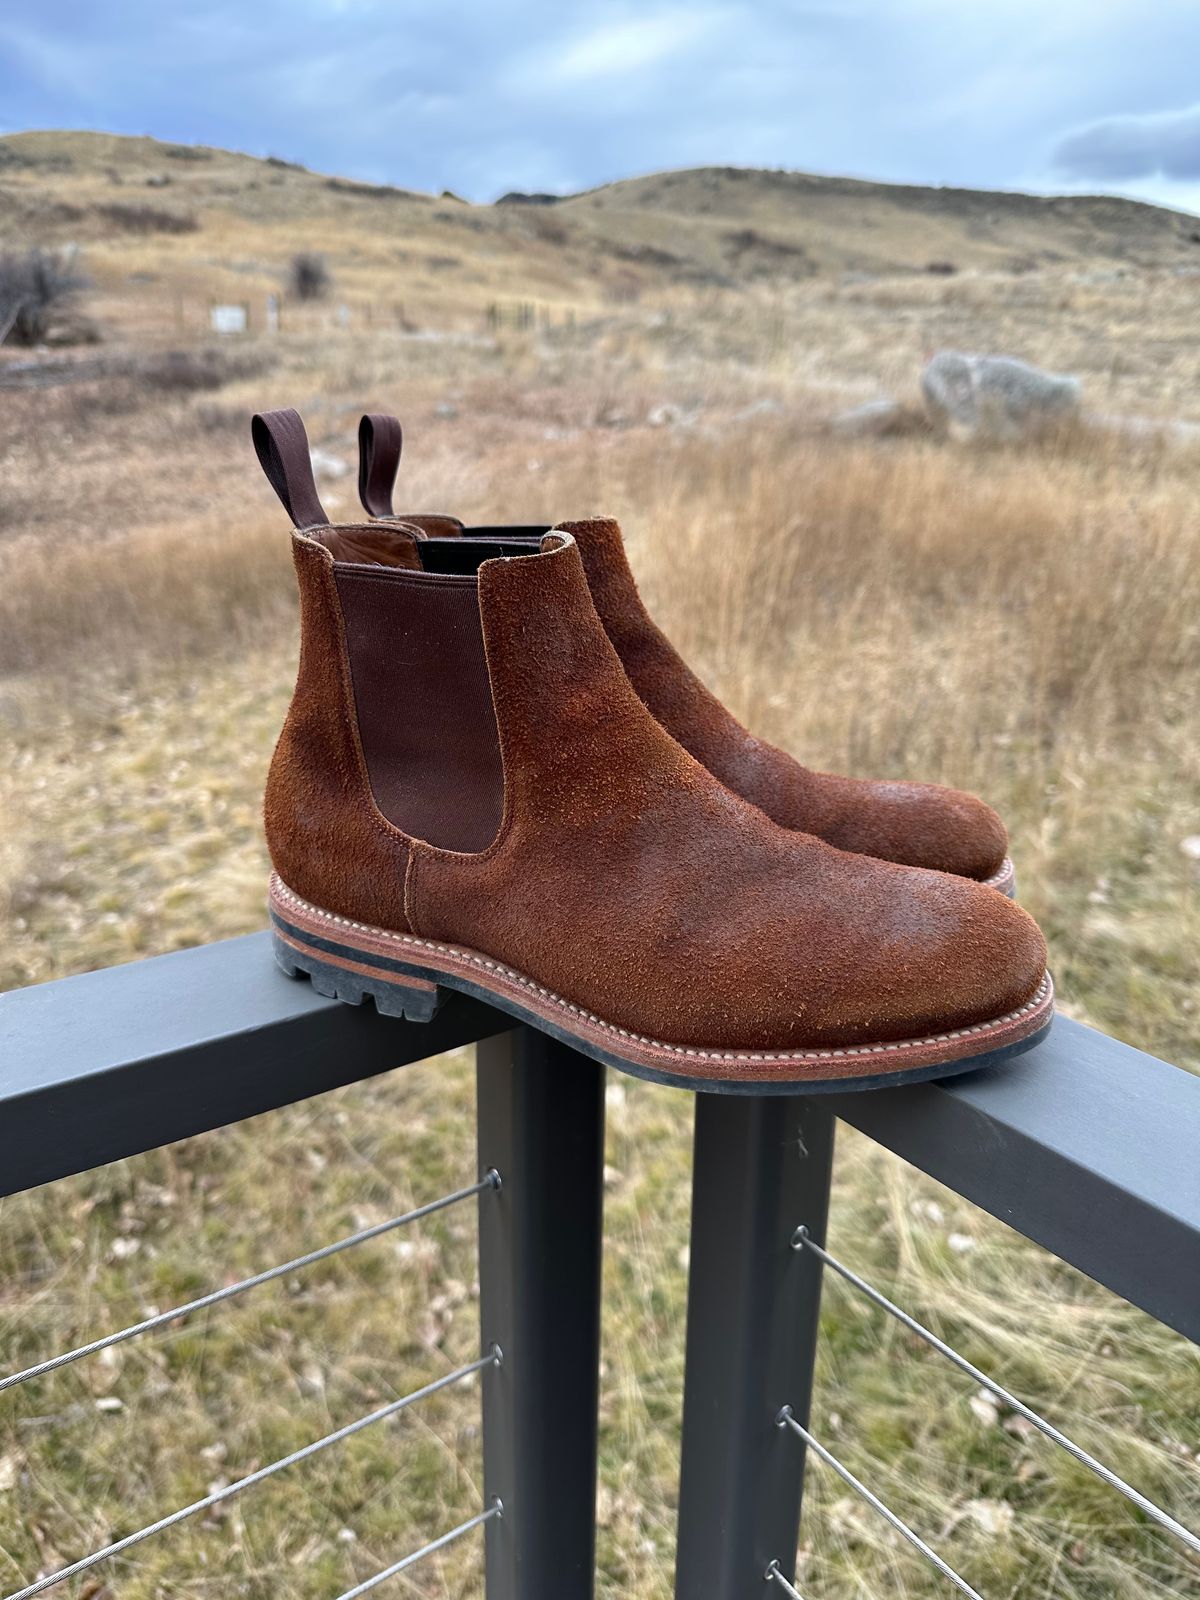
625,877
918,824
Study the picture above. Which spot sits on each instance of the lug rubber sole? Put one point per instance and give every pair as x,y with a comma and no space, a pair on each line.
409,977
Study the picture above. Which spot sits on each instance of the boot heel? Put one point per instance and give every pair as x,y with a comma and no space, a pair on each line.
396,994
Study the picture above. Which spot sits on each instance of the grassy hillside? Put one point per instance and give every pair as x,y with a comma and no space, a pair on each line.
167,228
841,224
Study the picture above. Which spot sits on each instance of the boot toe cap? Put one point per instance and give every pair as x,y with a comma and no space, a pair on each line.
912,954
924,825
951,955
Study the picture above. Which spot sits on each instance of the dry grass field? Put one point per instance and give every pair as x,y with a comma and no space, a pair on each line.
1024,623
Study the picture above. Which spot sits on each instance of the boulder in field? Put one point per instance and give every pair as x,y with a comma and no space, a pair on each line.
996,398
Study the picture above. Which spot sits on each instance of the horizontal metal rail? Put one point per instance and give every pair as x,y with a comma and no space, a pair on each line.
787,1420
230,1291
802,1241
108,1064
493,1359
1084,1145
494,1510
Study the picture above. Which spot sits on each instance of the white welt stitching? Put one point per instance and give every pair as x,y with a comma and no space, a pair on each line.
1002,874
498,967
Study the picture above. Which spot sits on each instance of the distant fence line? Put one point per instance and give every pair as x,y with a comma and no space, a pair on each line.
238,317
525,315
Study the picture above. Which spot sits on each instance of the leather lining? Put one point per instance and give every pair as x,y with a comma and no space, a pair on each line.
374,544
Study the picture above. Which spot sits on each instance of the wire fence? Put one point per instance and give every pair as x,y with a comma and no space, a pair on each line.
162,1319
788,1421
1086,1147
801,1240
491,1182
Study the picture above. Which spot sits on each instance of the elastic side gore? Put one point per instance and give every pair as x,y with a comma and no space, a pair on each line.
424,703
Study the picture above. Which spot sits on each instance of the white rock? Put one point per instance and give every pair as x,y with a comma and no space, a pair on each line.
990,1516
327,465
995,398
985,1408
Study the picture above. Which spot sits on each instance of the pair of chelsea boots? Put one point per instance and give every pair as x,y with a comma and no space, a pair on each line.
497,776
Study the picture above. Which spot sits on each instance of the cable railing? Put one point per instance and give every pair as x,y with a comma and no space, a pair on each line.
240,1485
161,1319
496,1509
491,1182
108,1064
802,1240
1085,1146
785,1419
774,1574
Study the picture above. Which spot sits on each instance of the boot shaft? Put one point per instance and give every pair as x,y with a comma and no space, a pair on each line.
427,668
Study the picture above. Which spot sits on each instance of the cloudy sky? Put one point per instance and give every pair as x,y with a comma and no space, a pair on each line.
481,97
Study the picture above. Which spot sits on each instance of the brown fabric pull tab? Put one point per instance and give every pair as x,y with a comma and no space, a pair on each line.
283,453
380,441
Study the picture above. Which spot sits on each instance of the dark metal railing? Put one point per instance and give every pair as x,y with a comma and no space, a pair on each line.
801,1241
1085,1146
109,1064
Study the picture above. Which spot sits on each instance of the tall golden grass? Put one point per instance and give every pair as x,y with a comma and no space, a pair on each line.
1023,623
1037,587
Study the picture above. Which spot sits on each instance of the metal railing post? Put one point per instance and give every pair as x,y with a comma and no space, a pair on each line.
541,1127
761,1166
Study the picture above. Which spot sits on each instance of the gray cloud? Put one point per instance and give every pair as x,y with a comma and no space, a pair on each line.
481,98
1116,149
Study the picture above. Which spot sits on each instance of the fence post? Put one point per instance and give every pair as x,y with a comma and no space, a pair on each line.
541,1126
761,1167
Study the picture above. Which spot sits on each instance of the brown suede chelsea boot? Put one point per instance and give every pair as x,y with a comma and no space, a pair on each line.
468,794
916,824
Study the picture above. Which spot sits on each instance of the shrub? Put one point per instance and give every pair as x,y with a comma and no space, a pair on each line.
192,371
147,219
33,287
309,277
